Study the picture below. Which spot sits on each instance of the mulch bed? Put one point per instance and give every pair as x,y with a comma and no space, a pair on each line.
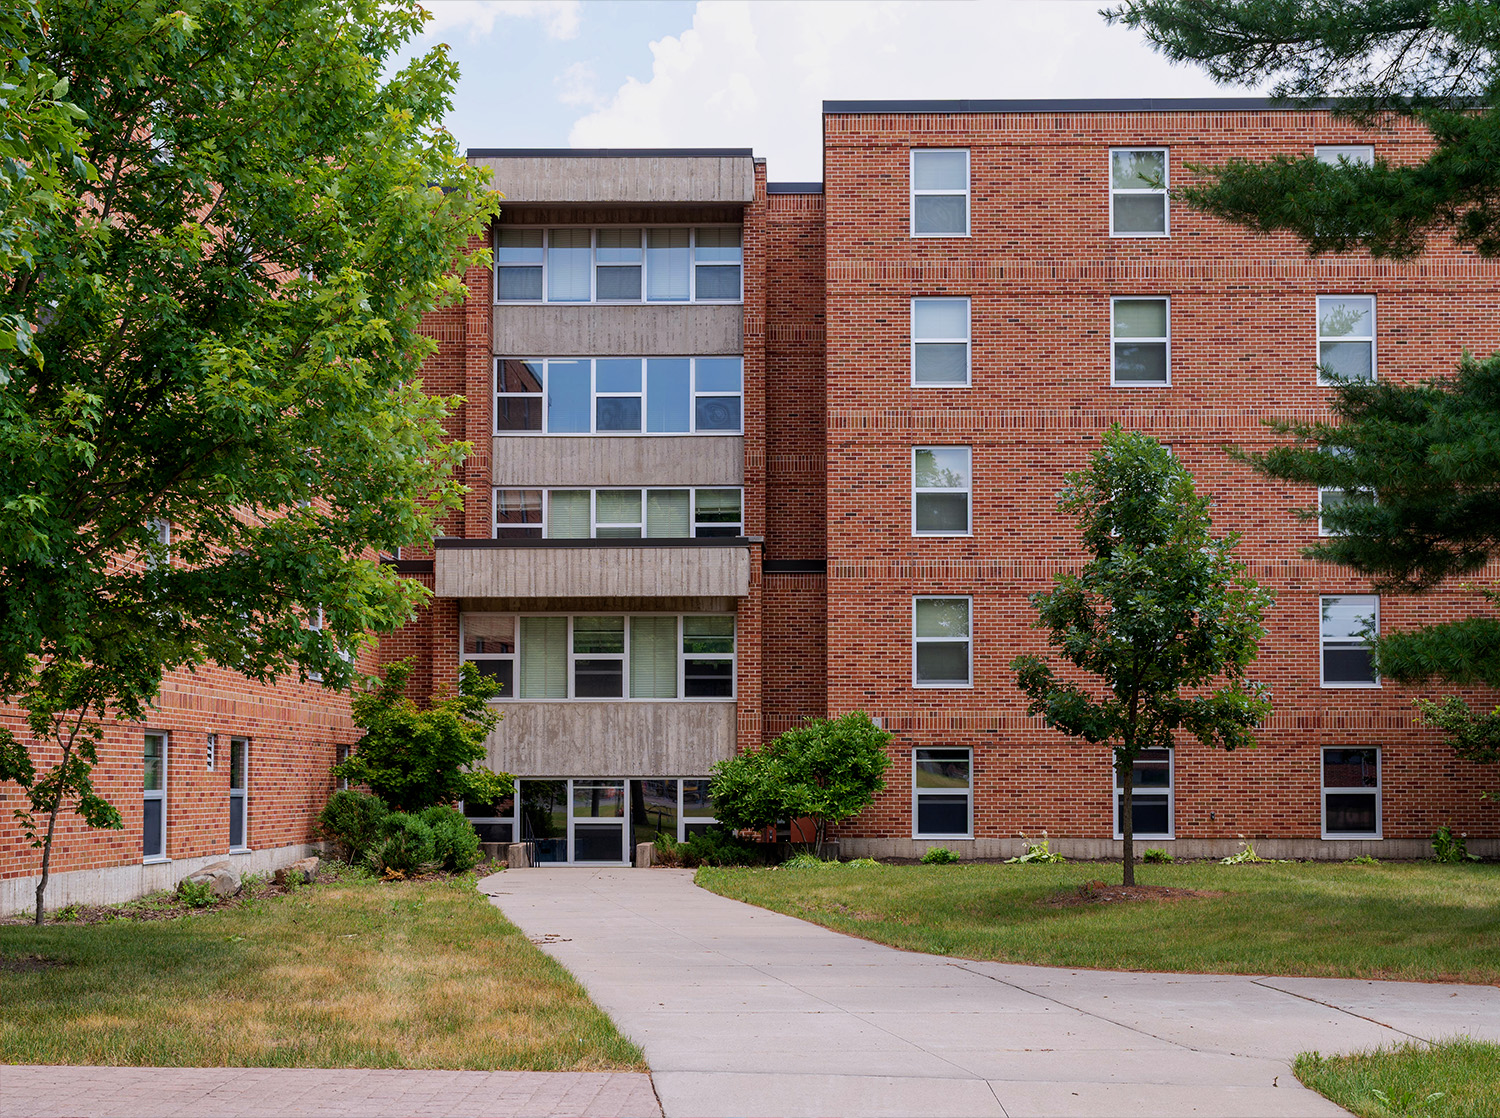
158,906
1097,892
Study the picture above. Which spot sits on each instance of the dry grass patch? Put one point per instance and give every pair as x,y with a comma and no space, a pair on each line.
420,974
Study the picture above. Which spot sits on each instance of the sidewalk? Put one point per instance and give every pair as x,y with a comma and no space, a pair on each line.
746,1012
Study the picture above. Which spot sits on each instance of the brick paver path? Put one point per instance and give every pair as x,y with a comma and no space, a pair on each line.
93,1092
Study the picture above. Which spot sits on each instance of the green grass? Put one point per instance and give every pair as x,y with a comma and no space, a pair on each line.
357,974
1414,921
1459,1078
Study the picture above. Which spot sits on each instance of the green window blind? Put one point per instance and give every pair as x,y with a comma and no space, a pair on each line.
544,658
568,514
667,514
653,657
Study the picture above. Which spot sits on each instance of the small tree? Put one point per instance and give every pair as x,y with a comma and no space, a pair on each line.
413,757
825,769
1161,606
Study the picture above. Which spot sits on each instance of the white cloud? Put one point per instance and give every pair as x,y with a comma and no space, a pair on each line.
755,74
559,18
579,85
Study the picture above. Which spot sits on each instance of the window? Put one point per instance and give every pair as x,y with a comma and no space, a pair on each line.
154,817
340,755
619,395
1151,813
494,822
617,656
239,771
1141,329
675,809
618,513
941,642
940,193
672,264
1334,154
210,747
1351,793
939,342
942,793
162,530
1347,658
315,624
1330,500
941,490
1138,192
1346,338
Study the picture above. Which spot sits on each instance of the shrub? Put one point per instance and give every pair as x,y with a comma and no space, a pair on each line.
455,842
195,894
406,846
1156,854
939,856
1363,860
717,846
805,861
1037,853
1448,847
353,821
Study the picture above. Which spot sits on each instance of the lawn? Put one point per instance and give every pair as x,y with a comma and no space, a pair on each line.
1402,921
354,974
1459,1078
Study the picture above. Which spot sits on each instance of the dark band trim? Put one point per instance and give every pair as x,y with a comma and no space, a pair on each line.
795,566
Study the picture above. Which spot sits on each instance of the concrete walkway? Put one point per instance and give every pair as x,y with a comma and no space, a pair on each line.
746,1012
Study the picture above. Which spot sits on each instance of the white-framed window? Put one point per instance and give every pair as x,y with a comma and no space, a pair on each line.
686,513
1331,499
942,790
1334,154
1151,808
1344,621
620,657
162,530
941,354
239,786
1346,338
315,623
1138,192
675,808
941,642
154,814
1351,793
619,395
340,755
1140,328
665,264
940,192
941,490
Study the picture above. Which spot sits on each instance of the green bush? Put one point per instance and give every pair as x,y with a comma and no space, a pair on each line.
353,821
940,856
1156,854
717,846
406,846
195,894
1448,847
455,842
805,861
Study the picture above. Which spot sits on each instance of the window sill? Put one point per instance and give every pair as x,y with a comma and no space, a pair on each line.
239,850
942,838
944,686
942,535
1353,838
1349,686
1140,384
1140,236
941,236
1146,838
160,860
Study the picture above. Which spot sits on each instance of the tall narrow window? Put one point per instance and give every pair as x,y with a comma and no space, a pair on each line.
708,657
717,260
653,657
569,253
518,514
941,642
162,555
598,657
518,265
940,490
1150,796
239,773
668,264
570,514
1138,192
1346,338
942,793
667,513
518,396
1141,327
617,262
569,397
154,818
940,192
544,658
1345,621
669,395
939,342
718,384
489,642
1351,793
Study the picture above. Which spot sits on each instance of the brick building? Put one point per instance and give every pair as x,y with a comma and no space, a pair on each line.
746,452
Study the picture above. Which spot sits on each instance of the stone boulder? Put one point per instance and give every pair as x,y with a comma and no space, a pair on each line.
298,873
218,876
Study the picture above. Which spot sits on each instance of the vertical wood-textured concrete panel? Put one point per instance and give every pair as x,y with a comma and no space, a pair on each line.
630,330
611,739
557,461
641,178
593,572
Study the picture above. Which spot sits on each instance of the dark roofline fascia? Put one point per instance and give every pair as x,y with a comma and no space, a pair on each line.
794,188
609,153
1085,105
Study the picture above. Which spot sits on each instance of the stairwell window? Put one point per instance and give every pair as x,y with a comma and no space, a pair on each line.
1345,623
940,192
239,784
1346,338
154,812
1138,192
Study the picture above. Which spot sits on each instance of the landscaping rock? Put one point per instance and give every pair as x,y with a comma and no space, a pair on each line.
219,877
298,873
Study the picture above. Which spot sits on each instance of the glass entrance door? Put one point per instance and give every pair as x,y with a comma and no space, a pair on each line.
598,821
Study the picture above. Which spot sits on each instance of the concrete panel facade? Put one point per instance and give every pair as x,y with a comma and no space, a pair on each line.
634,178
593,572
612,739
636,330
557,461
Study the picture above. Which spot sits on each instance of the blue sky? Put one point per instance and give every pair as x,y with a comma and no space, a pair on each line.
752,73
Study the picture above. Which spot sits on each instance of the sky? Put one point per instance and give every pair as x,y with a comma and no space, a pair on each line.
754,73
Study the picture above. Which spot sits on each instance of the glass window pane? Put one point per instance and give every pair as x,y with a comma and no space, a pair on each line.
518,413
568,264
718,512
502,672
720,281
1346,617
544,817
493,633
667,514
1149,815
155,757
653,657
942,512
519,246
1140,213
599,634
568,514
1140,318
617,413
1345,317
944,319
1348,665
569,396
598,679
719,245
942,363
942,467
1142,362
518,514
708,679
653,809
720,374
941,213
1138,170
703,635
1348,360
617,506
943,662
696,802
519,376
602,799
518,283
942,768
942,617
618,284
544,658
236,821
151,828
667,263
1351,814
668,395
942,815
617,374
618,246
940,170
1362,154
717,413
594,842
1350,768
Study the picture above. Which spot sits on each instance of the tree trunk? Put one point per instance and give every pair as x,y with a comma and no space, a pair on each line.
41,886
1127,820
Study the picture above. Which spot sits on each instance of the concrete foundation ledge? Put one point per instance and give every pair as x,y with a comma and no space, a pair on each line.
117,884
1083,849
